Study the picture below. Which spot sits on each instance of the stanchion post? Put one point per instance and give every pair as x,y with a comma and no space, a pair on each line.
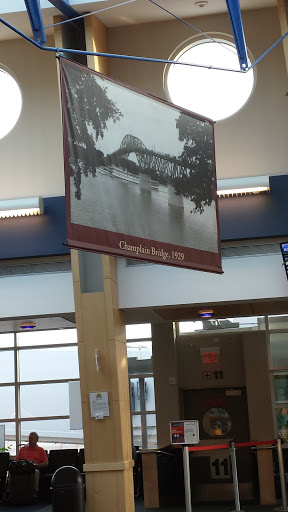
282,474
187,484
235,476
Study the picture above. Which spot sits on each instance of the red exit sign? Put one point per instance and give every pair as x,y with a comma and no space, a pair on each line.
210,357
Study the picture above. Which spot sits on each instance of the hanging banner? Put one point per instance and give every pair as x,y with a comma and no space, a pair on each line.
139,174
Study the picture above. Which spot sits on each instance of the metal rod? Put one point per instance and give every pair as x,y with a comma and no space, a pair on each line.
234,475
112,55
282,474
187,484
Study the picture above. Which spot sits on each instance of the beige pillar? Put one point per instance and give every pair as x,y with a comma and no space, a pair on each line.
260,408
101,327
96,41
283,11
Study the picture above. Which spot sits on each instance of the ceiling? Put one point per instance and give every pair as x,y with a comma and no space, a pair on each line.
221,310
135,12
159,314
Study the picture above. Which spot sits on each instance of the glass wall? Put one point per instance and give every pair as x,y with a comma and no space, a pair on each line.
276,327
278,338
36,367
252,323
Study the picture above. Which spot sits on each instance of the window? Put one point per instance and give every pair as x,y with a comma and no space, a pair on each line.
252,323
34,386
10,103
212,93
141,382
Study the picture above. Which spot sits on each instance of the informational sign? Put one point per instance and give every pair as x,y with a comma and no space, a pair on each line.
140,178
2,436
75,409
99,405
284,251
184,432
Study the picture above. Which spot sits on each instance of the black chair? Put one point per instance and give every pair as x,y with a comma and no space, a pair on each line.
60,458
56,459
4,463
81,460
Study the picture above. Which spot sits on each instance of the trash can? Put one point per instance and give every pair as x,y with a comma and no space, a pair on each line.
67,490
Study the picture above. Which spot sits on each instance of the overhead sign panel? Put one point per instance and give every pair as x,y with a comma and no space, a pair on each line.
139,173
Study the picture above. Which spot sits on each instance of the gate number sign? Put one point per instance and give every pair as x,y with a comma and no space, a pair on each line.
220,467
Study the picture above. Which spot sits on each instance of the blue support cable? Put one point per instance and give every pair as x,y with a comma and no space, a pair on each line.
234,12
36,21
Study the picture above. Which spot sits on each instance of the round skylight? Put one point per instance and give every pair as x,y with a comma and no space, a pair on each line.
10,103
212,93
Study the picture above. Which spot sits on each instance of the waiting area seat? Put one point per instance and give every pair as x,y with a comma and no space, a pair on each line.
4,463
57,459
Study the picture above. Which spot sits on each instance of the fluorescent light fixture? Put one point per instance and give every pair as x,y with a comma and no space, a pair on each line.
243,186
21,207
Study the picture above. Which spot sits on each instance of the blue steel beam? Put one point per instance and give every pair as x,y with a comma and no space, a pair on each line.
238,32
64,7
36,21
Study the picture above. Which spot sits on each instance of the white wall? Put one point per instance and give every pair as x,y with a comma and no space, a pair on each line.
252,142
41,294
244,278
31,154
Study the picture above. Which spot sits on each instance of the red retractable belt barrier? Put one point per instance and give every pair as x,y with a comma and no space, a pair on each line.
227,445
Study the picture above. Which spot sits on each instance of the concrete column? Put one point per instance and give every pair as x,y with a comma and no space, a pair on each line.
259,397
144,181
173,199
165,380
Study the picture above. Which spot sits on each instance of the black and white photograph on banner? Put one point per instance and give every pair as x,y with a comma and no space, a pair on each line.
139,171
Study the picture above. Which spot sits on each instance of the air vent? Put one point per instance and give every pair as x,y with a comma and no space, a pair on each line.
35,268
249,250
239,251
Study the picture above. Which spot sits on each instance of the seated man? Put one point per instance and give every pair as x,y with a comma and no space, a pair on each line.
32,451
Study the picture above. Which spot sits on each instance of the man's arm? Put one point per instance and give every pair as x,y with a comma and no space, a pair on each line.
44,461
42,465
20,454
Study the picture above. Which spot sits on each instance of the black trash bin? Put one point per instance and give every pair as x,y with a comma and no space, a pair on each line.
67,490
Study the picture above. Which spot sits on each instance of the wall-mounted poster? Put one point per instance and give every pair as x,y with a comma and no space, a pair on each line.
139,173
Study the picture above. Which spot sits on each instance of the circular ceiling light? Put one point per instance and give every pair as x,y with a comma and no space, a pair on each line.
206,313
201,4
10,103
200,88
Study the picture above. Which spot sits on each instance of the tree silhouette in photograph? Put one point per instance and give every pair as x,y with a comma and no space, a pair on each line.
196,181
88,110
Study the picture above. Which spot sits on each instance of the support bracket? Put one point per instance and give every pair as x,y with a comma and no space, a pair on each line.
36,21
234,12
64,7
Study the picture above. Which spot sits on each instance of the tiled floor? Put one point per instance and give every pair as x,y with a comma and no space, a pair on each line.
139,507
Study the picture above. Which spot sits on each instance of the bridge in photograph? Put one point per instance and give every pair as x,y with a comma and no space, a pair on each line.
148,158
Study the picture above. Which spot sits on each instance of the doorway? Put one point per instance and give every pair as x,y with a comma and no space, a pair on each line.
223,416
